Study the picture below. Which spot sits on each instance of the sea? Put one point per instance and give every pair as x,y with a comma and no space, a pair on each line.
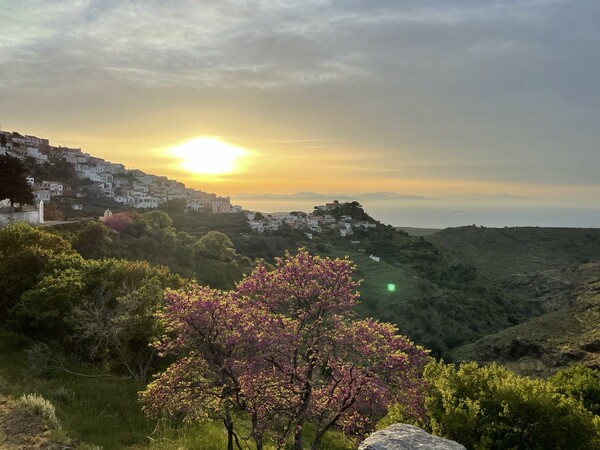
452,212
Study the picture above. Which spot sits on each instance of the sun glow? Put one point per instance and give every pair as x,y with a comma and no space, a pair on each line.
209,156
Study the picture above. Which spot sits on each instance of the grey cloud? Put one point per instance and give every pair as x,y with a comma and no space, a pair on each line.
503,90
190,42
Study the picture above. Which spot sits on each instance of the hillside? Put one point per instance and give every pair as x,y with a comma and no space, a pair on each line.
543,344
433,299
525,251
413,231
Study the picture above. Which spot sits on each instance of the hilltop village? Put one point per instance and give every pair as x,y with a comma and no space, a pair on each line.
92,177
75,178
328,217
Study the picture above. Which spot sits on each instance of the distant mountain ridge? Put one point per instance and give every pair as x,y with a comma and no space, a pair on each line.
308,195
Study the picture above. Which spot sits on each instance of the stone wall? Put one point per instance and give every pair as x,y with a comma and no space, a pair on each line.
32,217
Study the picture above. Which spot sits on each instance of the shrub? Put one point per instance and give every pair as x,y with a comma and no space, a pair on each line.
64,395
41,407
581,383
493,408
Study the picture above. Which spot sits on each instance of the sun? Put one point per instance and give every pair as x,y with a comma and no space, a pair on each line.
209,156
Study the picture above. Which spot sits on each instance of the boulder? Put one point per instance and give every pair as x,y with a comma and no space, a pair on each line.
407,437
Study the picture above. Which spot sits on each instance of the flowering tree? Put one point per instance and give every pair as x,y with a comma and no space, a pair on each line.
285,349
118,222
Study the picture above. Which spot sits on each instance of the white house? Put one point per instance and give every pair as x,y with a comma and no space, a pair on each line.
42,196
121,199
257,225
346,232
146,202
54,188
194,205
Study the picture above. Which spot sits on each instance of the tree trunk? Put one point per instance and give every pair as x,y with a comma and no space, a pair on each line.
258,437
298,435
306,396
229,426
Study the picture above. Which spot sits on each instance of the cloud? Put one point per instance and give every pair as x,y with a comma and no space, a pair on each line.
467,89
229,43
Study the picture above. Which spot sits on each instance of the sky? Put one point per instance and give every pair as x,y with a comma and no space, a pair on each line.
454,101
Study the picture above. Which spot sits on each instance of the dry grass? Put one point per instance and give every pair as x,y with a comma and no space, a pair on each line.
23,426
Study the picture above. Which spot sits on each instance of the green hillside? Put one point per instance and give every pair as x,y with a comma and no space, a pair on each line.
413,231
503,252
434,300
558,338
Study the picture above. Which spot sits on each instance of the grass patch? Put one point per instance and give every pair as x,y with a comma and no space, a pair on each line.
99,411
103,412
211,436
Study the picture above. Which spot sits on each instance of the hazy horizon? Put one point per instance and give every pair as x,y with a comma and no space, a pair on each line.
443,212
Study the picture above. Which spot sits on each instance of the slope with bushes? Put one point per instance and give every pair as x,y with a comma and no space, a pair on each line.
435,300
553,340
504,252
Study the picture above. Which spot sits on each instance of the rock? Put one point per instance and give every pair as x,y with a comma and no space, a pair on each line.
407,437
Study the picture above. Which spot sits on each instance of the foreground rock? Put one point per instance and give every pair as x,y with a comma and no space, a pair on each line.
407,437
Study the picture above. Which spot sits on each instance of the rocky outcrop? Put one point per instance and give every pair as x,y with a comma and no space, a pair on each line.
407,437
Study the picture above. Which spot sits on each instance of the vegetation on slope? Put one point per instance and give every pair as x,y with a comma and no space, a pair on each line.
503,252
207,257
95,320
555,339
552,269
434,300
37,266
490,407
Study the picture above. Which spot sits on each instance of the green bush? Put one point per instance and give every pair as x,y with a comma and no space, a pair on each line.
492,408
581,383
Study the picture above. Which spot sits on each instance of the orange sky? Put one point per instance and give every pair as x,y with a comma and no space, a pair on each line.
290,166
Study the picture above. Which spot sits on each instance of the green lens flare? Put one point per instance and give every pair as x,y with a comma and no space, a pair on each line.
391,287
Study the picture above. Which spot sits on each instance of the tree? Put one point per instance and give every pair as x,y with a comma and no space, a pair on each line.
216,245
114,322
119,222
2,140
209,330
42,310
13,182
176,205
285,350
92,240
25,253
118,331
158,220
